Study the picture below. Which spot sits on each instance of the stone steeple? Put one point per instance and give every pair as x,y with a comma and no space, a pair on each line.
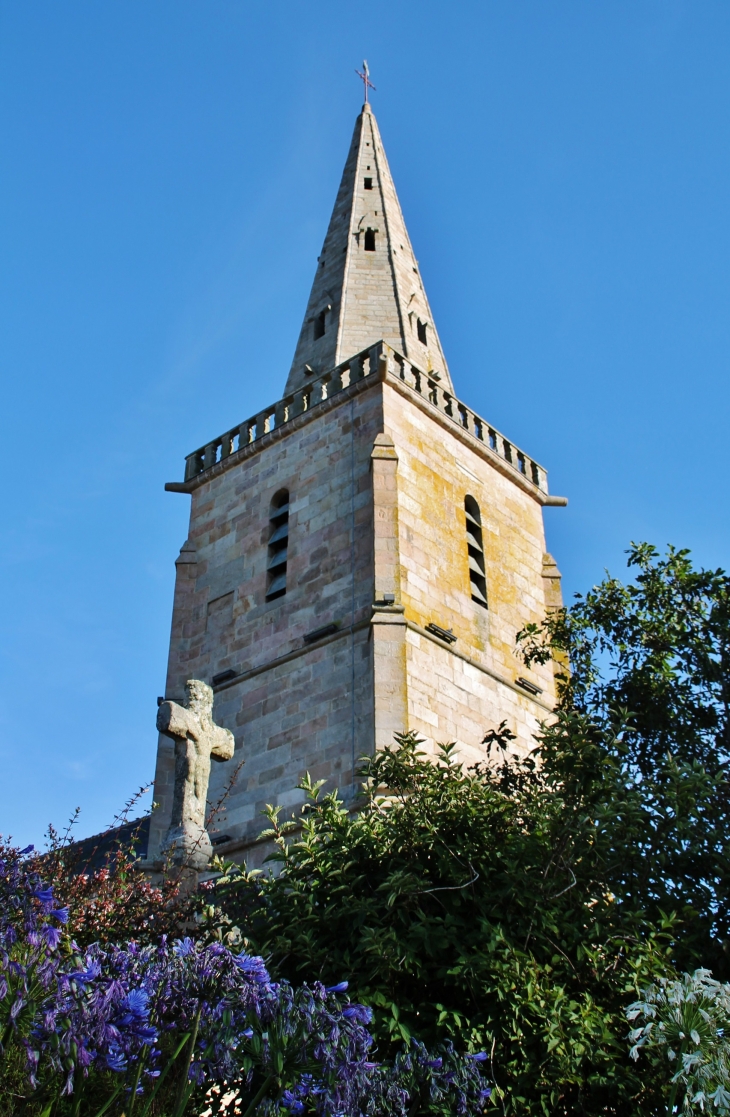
361,552
368,285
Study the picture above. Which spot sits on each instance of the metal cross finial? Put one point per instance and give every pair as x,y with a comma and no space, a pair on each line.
365,78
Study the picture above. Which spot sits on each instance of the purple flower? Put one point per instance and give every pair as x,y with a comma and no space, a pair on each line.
253,967
115,1060
108,1006
52,935
292,1103
480,1057
183,947
83,977
361,1014
137,1001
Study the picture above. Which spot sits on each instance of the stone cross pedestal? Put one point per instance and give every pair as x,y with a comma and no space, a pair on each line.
197,738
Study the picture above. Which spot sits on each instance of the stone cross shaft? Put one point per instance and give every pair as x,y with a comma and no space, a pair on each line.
197,739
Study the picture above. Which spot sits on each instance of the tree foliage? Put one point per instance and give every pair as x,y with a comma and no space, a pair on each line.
519,905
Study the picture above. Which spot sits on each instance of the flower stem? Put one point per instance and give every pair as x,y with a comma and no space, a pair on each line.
182,1091
252,1107
109,1100
135,1084
675,1087
163,1073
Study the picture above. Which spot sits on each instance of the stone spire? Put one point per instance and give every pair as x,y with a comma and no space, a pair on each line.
368,286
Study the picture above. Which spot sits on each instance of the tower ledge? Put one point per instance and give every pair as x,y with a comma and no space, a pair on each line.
380,363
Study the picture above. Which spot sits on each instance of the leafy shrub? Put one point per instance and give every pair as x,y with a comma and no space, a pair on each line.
517,906
152,1028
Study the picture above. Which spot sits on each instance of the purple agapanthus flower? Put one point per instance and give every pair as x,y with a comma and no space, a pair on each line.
183,947
292,1103
253,967
360,1013
77,1011
137,1001
52,936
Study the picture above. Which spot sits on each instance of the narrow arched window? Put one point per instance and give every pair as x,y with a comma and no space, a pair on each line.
278,546
475,549
370,240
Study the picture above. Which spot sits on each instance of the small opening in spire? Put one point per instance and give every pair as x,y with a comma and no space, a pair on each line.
320,325
368,184
421,327
370,240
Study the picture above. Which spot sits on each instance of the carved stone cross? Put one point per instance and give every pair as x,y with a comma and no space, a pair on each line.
197,738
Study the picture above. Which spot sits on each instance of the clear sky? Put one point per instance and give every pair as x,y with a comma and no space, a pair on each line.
168,171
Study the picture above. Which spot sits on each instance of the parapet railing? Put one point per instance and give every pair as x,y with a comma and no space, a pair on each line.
429,387
364,365
271,418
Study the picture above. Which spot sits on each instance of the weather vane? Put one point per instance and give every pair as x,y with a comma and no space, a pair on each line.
365,78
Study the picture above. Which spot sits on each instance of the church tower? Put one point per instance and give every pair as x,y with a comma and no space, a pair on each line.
361,553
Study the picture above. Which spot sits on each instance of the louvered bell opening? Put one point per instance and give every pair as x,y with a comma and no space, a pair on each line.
475,551
477,593
278,546
476,566
280,532
278,586
277,559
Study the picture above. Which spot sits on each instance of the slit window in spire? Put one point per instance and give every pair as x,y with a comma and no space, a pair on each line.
320,325
368,184
475,551
370,240
278,546
422,332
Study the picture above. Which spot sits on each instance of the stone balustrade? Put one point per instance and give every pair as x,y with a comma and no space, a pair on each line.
427,385
364,365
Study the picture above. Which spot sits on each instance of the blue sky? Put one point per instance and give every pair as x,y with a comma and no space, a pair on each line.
168,171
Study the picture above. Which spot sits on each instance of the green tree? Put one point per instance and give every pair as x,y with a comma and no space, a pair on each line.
519,905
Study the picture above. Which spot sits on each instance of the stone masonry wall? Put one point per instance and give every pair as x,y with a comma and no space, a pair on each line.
450,698
389,461
295,708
